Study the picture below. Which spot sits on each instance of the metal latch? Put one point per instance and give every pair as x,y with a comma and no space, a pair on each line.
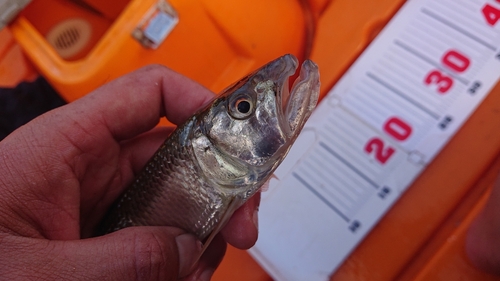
156,25
9,9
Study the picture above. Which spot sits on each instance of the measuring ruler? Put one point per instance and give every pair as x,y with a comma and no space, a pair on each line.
375,132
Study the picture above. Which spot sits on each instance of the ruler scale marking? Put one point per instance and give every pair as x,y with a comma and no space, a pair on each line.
414,87
413,79
350,149
399,103
431,101
450,36
458,29
368,91
406,80
402,95
430,61
418,47
348,164
348,168
330,195
445,36
377,130
343,193
352,104
469,19
310,188
351,139
480,54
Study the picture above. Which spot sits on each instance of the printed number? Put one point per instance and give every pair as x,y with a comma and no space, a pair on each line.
455,61
474,88
445,122
491,14
397,128
443,82
354,226
381,154
384,192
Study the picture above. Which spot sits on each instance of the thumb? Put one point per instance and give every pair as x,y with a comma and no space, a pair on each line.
136,253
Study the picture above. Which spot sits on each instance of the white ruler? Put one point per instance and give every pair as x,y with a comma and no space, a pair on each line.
376,131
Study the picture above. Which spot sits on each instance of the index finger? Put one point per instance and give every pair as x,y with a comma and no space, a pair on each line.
134,103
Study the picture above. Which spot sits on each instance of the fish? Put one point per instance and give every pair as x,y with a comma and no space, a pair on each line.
221,156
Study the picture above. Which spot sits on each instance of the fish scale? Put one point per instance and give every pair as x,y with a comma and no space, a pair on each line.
185,204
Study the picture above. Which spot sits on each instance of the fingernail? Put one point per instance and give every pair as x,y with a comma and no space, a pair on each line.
206,275
189,248
256,213
255,218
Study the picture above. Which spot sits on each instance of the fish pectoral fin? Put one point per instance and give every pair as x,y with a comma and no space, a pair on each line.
231,208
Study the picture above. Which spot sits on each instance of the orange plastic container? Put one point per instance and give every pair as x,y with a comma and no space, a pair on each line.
217,41
210,44
14,67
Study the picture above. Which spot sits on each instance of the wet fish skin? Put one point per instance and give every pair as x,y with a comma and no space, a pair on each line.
221,156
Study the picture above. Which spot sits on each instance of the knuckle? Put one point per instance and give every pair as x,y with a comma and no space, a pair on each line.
153,258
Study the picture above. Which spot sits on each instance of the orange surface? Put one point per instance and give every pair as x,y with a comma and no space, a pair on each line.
444,256
222,51
110,9
422,236
14,67
43,15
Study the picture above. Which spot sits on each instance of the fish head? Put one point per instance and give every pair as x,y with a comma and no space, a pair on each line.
251,126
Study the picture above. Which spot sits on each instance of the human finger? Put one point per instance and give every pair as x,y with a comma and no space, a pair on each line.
118,111
146,253
133,103
242,229
134,154
209,262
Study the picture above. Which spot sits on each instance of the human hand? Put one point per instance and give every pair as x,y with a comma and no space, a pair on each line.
61,172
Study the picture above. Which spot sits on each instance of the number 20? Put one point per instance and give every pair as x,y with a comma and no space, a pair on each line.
397,129
381,154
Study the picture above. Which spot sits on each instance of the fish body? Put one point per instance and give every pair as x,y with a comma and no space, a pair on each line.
221,156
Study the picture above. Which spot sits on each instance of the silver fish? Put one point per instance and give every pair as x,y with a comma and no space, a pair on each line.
221,156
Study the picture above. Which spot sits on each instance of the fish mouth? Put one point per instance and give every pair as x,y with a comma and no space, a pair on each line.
296,105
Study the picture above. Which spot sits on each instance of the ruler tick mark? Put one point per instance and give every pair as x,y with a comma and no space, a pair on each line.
315,192
430,61
457,28
348,164
402,95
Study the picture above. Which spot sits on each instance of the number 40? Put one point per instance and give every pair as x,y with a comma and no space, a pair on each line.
491,14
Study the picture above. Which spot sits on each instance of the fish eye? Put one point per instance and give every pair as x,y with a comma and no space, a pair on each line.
241,108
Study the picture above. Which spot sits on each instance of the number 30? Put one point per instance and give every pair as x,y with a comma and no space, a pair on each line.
442,81
452,60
